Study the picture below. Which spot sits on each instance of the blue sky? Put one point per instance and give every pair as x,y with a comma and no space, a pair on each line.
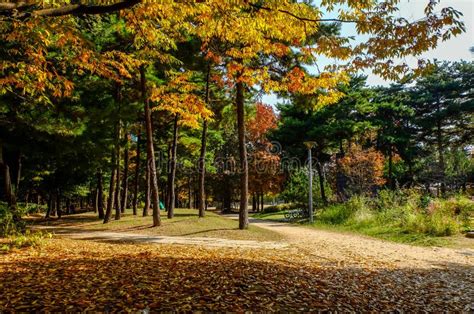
454,49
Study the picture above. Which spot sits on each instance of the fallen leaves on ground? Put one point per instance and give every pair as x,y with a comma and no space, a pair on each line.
79,275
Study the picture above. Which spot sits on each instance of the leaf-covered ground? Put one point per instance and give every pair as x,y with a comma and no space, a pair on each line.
78,275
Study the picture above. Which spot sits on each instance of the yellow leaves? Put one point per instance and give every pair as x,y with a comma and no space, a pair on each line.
178,95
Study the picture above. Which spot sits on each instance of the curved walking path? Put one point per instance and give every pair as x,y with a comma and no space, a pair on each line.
352,248
107,236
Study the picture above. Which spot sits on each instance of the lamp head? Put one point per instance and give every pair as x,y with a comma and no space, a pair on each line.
309,144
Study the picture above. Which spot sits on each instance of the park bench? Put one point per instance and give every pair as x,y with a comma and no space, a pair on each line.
295,214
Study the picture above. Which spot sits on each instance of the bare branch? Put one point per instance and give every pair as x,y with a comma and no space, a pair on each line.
304,19
11,9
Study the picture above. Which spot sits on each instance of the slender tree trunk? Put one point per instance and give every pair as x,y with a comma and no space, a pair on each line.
243,211
125,178
190,195
68,205
202,172
340,177
8,187
111,198
321,183
150,152
257,195
96,201
117,179
439,139
100,195
54,208
202,157
227,201
261,201
50,206
390,167
18,175
146,209
254,203
168,171
137,172
171,187
59,209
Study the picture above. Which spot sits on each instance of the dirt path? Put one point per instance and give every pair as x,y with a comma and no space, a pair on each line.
351,248
107,236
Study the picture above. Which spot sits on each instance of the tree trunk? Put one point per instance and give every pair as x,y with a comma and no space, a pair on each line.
321,183
8,187
190,195
100,195
168,180
202,172
96,201
202,157
54,207
50,206
59,210
125,178
111,198
150,152
243,210
18,175
68,205
137,173
172,176
117,181
147,192
261,201
390,168
254,203
340,177
439,139
227,199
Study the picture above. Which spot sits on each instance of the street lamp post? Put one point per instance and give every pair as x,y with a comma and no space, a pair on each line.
310,145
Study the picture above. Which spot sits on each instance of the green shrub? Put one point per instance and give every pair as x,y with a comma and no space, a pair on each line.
8,225
33,208
280,207
359,203
402,212
335,214
440,225
27,239
388,199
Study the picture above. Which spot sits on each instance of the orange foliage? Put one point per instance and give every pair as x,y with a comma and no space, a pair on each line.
264,164
265,120
363,168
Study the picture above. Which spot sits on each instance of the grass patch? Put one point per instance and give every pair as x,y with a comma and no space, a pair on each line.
186,223
277,216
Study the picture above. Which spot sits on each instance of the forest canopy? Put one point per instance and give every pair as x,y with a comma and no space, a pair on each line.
154,105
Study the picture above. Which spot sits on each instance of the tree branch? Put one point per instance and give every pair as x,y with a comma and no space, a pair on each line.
304,19
11,9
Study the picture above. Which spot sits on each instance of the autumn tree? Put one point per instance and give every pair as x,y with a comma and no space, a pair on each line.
264,158
363,168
